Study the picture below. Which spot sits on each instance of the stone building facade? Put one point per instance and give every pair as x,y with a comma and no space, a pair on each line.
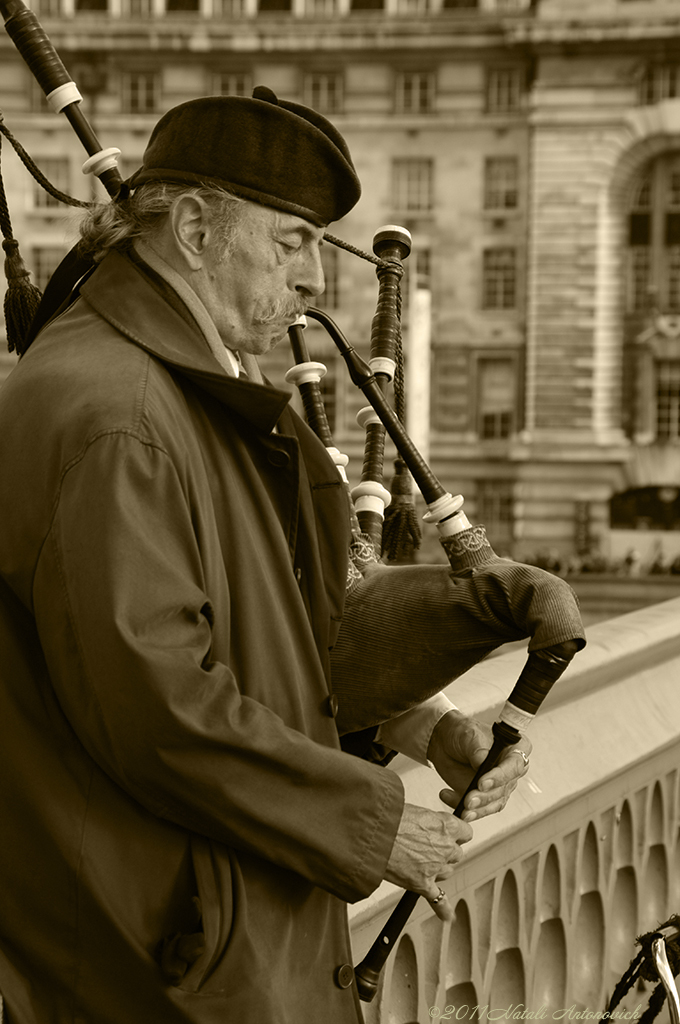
533,151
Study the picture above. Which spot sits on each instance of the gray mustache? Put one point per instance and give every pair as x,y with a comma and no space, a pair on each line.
284,309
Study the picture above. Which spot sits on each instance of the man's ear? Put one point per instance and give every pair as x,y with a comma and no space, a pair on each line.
191,230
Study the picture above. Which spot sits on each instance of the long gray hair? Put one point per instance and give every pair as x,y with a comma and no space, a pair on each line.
116,225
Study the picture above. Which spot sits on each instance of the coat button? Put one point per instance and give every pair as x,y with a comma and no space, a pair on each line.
344,976
332,705
298,575
277,457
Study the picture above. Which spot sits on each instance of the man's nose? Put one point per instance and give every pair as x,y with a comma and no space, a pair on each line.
311,278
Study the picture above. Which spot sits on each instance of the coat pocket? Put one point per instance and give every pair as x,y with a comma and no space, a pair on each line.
188,959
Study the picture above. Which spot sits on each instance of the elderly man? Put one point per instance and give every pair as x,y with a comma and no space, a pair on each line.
181,828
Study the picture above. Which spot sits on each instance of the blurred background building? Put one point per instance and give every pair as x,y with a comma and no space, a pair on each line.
533,151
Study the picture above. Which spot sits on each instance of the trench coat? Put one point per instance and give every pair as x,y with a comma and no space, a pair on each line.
181,831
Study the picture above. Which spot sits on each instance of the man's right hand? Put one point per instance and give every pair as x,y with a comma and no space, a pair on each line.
426,850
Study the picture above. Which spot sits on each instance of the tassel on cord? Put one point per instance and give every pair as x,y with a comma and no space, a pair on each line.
22,297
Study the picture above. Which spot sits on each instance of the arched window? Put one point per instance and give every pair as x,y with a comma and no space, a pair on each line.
651,406
654,238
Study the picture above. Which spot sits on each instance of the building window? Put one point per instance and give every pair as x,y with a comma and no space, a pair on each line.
228,8
495,510
320,7
660,82
323,92
501,183
137,8
239,84
57,170
449,392
496,398
460,4
45,261
181,6
140,92
499,278
91,5
366,5
668,400
37,98
413,6
49,8
415,92
274,6
654,238
504,90
413,185
646,508
330,259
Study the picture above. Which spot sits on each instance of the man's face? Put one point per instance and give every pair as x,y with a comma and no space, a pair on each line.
266,280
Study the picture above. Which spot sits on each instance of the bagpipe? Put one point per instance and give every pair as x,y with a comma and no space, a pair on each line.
524,601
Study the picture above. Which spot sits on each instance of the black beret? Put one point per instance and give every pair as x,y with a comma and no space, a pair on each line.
277,153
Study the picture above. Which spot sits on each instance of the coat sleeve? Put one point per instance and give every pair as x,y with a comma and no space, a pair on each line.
126,625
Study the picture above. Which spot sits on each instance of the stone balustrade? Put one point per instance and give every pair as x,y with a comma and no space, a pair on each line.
586,856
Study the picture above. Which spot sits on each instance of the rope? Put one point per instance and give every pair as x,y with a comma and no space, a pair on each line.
334,240
33,168
643,967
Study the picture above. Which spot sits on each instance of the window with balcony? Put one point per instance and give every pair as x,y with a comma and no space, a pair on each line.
45,260
230,84
505,88
495,510
414,92
141,91
413,185
499,278
49,8
323,92
496,397
228,8
137,8
501,183
449,390
274,6
57,170
659,82
37,98
668,400
319,8
330,261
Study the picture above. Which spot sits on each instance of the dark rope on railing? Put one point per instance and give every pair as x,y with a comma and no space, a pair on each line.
642,967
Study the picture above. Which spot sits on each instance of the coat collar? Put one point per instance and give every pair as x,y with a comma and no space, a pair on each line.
144,308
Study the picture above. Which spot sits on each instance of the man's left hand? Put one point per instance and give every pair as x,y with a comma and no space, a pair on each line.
458,746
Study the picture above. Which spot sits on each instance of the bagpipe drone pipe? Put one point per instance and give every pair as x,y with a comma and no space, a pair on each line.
409,630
